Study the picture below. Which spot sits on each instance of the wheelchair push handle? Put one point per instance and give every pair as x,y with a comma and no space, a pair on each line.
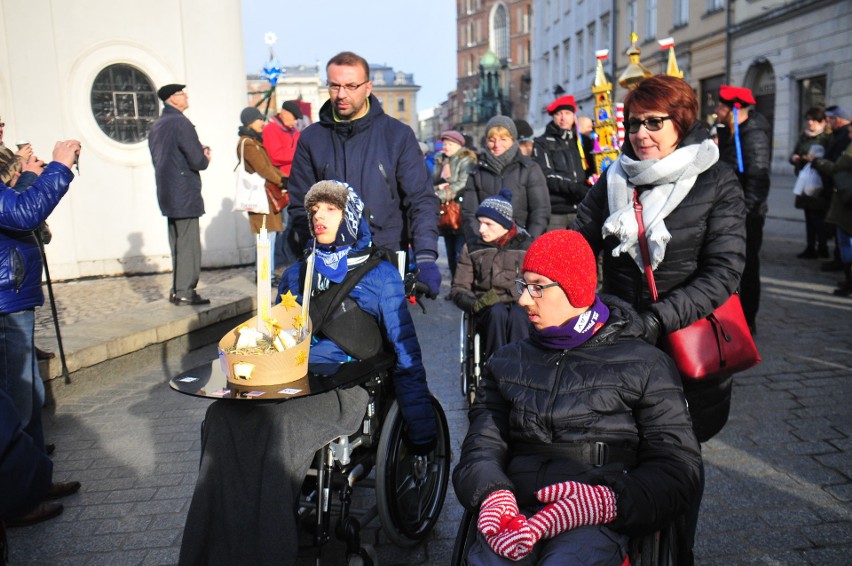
415,290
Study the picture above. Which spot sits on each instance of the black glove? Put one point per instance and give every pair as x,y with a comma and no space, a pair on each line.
652,329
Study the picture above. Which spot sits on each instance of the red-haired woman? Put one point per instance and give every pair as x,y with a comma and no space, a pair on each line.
694,216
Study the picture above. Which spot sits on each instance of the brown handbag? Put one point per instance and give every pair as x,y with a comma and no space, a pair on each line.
711,347
278,198
450,219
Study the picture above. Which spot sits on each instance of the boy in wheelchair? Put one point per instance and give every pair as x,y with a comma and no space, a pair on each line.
255,456
484,284
579,436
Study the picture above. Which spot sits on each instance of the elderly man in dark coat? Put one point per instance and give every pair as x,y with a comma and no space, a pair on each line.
178,158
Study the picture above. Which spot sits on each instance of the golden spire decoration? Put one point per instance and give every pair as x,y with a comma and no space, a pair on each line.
635,72
671,66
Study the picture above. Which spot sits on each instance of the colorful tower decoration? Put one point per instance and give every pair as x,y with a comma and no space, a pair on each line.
606,138
671,66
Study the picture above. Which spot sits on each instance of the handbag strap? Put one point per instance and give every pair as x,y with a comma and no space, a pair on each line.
643,245
242,154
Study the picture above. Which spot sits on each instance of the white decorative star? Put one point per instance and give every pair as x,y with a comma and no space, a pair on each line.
270,38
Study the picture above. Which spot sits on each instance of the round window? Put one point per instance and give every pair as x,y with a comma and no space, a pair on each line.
124,103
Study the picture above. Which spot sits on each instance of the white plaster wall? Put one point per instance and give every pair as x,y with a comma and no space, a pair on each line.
52,50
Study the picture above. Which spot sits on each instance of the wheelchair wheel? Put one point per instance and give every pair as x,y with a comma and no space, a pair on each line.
464,538
463,356
410,489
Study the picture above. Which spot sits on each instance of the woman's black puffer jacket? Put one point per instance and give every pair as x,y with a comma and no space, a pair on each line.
701,269
704,258
614,389
530,199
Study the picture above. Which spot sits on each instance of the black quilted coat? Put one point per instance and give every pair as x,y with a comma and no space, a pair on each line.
557,154
755,141
530,201
701,268
614,389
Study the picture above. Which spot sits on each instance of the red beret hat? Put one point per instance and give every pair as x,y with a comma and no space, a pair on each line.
565,257
736,96
566,101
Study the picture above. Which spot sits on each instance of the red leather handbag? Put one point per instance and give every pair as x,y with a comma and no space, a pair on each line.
714,346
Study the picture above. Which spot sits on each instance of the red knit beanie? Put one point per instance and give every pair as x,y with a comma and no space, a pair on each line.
565,257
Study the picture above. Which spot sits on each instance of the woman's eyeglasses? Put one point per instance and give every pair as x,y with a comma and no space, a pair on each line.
535,290
652,124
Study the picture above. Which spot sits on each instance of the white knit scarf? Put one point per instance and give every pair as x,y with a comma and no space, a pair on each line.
672,178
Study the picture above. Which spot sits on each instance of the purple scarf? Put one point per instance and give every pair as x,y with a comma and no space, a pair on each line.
574,332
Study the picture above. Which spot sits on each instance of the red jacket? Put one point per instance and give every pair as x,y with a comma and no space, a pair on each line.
280,143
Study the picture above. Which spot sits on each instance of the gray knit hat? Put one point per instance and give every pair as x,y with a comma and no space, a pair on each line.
249,115
498,208
505,122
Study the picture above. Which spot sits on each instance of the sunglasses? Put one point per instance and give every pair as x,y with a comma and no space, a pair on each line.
652,124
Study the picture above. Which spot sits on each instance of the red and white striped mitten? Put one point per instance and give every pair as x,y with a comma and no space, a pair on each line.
571,505
514,541
504,528
497,510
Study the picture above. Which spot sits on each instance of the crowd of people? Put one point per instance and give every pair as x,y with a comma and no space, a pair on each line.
547,258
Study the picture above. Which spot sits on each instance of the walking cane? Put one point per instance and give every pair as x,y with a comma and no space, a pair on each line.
65,373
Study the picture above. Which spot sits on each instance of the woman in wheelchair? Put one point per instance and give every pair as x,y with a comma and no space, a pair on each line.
579,436
256,456
484,284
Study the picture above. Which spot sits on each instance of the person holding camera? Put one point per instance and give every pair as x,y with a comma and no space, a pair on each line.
21,212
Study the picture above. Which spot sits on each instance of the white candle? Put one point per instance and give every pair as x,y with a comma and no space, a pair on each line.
264,285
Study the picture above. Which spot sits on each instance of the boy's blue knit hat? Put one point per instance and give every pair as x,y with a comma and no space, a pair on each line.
498,208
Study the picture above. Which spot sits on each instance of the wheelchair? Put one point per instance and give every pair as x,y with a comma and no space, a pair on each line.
656,549
470,356
409,489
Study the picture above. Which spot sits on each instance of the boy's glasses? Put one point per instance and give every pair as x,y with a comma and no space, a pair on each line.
535,290
652,124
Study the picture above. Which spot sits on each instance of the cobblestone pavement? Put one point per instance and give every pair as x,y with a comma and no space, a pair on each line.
778,476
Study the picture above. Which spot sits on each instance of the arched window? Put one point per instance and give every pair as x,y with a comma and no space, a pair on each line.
499,32
124,103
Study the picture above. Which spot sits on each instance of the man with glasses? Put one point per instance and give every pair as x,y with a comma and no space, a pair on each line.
579,435
559,152
356,142
178,160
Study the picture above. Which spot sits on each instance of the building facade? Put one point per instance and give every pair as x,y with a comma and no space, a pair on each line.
793,54
566,35
493,63
397,93
66,74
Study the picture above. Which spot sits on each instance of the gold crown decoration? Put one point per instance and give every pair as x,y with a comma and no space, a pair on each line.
671,65
606,139
635,72
271,348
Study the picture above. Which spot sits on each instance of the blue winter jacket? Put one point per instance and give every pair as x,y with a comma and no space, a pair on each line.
381,159
20,214
380,293
178,157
